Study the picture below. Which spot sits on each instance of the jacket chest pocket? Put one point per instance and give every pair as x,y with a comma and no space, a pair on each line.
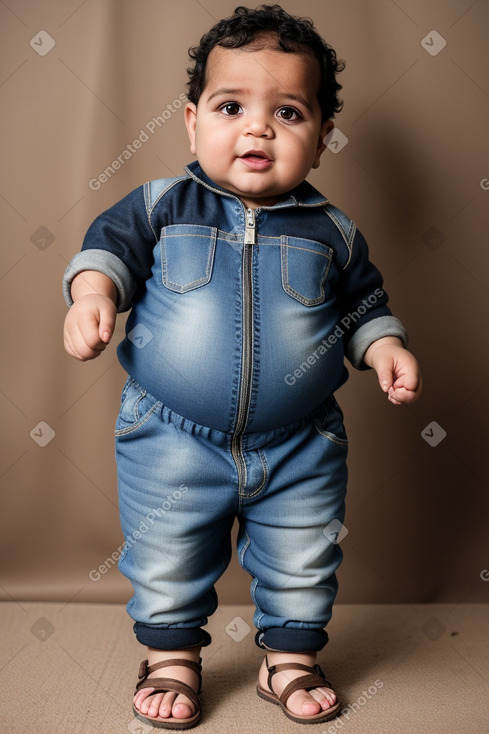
305,267
187,256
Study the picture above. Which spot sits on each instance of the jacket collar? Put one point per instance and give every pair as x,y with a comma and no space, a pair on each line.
302,195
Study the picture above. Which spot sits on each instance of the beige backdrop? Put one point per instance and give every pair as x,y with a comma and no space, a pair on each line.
79,82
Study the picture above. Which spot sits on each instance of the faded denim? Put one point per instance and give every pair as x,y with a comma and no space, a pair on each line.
179,493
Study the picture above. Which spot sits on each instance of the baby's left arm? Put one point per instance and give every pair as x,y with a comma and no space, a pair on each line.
397,369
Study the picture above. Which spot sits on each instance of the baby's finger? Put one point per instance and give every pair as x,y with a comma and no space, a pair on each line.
77,347
384,376
71,337
69,347
89,326
392,398
107,323
402,396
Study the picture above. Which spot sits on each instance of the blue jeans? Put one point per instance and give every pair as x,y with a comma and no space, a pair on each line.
179,493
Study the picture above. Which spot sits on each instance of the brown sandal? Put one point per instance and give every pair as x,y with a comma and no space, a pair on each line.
162,685
315,679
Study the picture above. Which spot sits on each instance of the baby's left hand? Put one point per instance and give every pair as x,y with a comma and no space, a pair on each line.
397,369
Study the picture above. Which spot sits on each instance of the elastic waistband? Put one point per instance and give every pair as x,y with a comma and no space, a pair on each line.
251,440
218,438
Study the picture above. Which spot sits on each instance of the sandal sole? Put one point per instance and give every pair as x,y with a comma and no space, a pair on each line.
171,723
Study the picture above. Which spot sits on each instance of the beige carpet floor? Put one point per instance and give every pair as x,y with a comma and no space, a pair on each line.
71,669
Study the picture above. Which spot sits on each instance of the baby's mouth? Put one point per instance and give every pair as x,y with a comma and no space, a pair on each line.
256,159
256,154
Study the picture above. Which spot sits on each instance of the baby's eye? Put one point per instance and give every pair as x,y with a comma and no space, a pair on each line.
289,114
231,109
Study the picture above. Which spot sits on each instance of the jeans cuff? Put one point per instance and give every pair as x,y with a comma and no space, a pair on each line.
288,639
171,639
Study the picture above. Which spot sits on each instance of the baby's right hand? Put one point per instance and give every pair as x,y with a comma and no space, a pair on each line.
89,326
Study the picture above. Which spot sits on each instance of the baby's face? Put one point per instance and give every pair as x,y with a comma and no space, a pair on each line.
257,129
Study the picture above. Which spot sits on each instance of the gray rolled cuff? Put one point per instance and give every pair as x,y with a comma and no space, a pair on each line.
369,333
104,262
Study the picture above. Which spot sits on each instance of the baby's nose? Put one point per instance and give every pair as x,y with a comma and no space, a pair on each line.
258,125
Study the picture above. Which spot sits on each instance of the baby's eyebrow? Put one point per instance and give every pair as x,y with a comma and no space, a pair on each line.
226,91
299,98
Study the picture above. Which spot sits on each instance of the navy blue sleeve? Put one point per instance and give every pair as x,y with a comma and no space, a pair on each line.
124,230
120,244
364,313
361,295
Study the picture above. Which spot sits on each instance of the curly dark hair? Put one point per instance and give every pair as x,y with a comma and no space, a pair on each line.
292,34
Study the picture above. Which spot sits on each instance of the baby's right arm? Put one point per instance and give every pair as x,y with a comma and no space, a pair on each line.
90,322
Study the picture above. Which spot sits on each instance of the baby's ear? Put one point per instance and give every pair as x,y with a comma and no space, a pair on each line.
326,128
191,123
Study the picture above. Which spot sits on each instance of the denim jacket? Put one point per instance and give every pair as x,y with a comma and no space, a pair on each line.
240,319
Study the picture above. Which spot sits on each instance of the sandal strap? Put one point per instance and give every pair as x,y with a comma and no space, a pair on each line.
162,685
315,679
197,667
290,666
145,669
304,683
272,669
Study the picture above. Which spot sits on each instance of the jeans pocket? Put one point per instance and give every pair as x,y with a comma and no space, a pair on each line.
187,256
330,424
136,407
305,267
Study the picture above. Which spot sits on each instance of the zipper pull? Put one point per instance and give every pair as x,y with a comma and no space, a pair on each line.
250,227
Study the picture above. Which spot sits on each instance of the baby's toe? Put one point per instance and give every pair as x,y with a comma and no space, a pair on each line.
302,702
326,697
181,708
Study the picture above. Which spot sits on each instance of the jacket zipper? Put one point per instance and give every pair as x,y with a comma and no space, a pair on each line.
247,350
